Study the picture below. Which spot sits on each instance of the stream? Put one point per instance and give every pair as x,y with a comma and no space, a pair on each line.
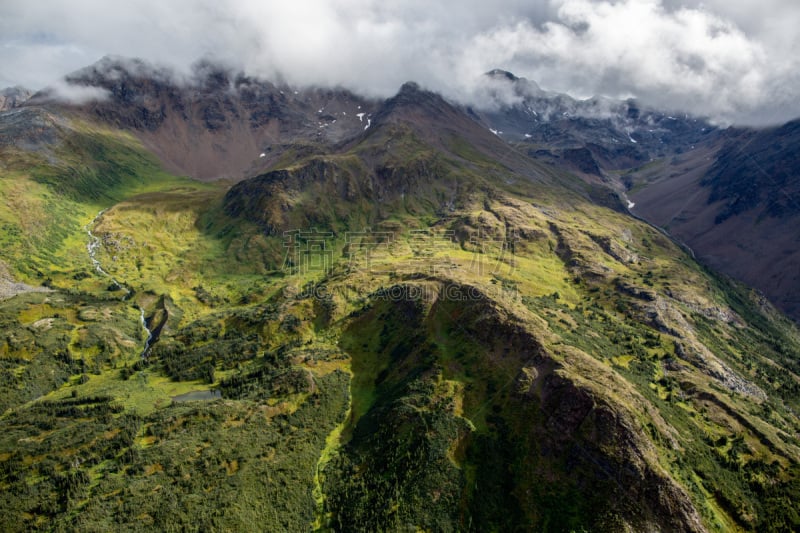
92,247
149,333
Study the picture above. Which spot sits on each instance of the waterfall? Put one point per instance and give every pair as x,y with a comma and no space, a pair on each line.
92,247
146,349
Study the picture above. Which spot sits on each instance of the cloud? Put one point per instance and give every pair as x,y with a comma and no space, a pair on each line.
733,60
63,91
686,58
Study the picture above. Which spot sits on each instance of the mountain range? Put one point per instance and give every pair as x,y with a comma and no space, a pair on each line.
232,304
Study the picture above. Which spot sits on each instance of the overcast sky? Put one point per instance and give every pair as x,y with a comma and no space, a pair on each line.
736,60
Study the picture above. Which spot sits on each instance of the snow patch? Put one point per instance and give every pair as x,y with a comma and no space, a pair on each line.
360,115
494,131
262,155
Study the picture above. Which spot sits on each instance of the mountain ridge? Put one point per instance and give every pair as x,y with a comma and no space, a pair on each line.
215,124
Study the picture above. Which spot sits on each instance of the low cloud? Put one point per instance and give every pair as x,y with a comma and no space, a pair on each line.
63,91
734,62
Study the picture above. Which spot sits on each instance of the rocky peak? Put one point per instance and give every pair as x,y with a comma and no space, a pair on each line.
502,84
415,104
499,74
411,93
212,76
12,97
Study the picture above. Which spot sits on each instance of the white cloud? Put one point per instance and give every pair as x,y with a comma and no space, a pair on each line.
735,60
688,58
63,91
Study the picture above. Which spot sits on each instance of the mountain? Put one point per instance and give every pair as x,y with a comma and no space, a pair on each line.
216,124
12,97
399,321
588,136
735,203
421,156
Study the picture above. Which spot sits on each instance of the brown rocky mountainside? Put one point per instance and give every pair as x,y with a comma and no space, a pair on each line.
215,123
736,203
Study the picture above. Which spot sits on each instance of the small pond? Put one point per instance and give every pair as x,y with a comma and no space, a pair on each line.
198,396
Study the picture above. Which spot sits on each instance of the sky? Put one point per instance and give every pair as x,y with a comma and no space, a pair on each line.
736,61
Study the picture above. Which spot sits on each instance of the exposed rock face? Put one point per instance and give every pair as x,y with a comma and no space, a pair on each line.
30,129
9,287
582,428
12,97
217,123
